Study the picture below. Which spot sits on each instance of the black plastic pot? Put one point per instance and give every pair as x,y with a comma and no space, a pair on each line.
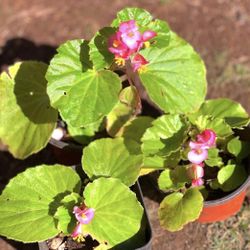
148,230
67,153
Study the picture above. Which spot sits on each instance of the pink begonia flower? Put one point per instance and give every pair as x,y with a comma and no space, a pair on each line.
130,34
198,155
117,47
197,182
204,140
148,34
77,231
138,62
83,215
196,171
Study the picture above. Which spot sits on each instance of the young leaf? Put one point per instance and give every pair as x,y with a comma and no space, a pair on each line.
26,119
82,95
123,111
165,136
240,149
118,213
178,209
214,160
172,180
30,200
175,77
141,16
233,113
161,40
99,53
117,158
66,221
218,125
231,176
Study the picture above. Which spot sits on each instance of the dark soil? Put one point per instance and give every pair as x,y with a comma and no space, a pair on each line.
219,30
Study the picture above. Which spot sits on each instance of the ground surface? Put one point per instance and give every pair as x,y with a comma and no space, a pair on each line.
218,29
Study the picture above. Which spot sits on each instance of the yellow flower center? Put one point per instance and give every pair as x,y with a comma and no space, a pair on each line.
120,61
147,44
142,69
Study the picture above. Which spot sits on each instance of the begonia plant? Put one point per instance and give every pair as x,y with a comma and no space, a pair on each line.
98,88
203,156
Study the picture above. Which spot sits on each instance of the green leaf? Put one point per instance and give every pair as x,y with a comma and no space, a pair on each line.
218,125
84,135
135,128
163,33
233,113
30,200
165,136
231,176
141,16
175,78
117,158
118,213
173,180
214,160
26,119
99,53
178,209
123,111
66,221
154,162
240,149
82,95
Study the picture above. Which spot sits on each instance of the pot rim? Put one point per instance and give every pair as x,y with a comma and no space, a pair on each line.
63,144
230,196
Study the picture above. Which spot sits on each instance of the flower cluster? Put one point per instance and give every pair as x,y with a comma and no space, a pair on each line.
84,216
199,153
127,42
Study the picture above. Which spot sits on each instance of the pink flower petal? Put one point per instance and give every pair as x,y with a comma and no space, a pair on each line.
77,231
85,215
128,26
197,182
117,47
148,34
197,156
138,61
208,137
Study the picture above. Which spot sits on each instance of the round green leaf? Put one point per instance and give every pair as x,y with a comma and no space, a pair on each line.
26,119
231,176
141,16
165,136
233,113
30,200
178,209
117,158
118,213
175,77
82,95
